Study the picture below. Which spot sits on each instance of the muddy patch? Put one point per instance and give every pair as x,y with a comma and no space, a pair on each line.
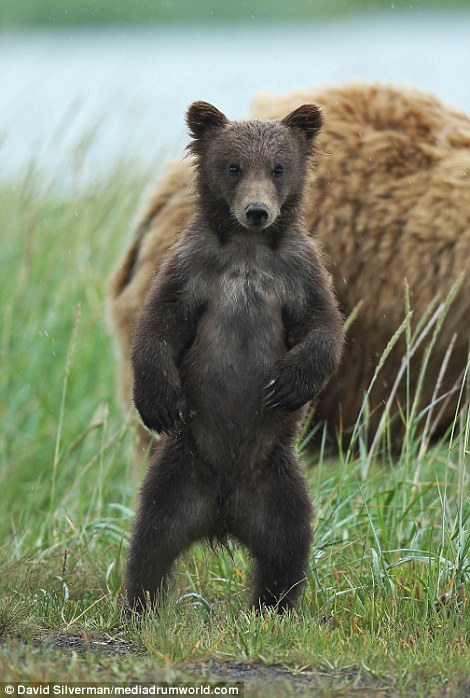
278,674
81,642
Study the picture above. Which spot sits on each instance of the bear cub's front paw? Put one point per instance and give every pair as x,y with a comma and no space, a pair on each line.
289,387
164,413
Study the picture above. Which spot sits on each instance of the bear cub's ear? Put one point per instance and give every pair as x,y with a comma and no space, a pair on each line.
202,116
307,118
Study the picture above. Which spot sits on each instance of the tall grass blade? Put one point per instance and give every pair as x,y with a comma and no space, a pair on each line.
58,441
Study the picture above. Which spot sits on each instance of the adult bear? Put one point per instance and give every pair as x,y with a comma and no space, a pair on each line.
389,201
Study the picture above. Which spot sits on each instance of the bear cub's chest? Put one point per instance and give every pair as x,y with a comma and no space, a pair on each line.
247,278
247,287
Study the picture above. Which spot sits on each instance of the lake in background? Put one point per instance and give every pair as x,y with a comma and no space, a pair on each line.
123,92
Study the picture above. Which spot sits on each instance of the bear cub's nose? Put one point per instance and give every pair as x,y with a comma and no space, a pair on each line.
256,214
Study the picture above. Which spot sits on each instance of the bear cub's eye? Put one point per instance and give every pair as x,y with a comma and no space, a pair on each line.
234,169
278,171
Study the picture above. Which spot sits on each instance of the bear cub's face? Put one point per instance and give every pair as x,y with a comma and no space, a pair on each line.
250,170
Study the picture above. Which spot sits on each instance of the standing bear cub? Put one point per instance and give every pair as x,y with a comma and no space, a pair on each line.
241,329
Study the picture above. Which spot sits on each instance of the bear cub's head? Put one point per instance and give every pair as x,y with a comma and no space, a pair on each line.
250,173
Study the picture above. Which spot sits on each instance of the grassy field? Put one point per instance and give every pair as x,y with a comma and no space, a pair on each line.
30,13
386,605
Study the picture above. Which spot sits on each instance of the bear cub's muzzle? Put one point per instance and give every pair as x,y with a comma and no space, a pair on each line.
257,214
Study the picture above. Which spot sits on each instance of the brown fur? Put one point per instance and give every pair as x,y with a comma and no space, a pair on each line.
239,332
390,201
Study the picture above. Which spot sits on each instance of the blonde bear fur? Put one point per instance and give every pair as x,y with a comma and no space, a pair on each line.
389,202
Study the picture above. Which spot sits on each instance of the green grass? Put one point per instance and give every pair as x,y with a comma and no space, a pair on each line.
386,605
30,13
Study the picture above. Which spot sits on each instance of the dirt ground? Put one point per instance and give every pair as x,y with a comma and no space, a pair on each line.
258,679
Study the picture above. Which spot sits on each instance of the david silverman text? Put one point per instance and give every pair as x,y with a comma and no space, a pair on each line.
138,689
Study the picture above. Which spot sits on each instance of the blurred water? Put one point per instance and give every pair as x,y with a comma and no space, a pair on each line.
127,90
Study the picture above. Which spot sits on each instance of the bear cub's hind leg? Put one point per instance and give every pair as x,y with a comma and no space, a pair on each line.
176,509
272,518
